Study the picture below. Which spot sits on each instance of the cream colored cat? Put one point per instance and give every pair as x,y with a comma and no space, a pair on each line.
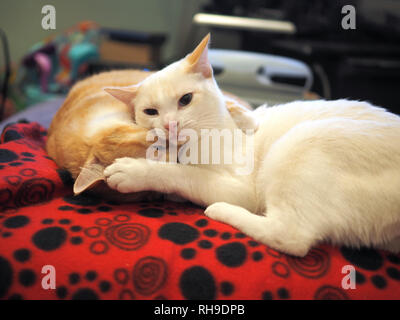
324,171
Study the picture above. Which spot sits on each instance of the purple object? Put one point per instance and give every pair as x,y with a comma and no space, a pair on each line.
42,113
44,63
41,58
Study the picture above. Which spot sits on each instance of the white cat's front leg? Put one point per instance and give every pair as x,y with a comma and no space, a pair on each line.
128,175
197,184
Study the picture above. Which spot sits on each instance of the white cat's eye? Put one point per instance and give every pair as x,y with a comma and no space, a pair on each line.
150,111
185,99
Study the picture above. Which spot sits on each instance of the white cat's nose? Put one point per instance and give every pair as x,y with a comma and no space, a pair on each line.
171,125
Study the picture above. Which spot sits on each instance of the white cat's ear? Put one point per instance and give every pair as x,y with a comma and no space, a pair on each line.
198,60
124,94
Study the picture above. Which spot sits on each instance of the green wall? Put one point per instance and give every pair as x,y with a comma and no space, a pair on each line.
21,19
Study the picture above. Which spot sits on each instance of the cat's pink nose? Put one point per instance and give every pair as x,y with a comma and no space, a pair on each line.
171,125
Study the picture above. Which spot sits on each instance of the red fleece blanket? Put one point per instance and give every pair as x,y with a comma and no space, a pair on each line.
151,250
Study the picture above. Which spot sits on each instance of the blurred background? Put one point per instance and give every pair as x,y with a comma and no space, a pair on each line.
270,51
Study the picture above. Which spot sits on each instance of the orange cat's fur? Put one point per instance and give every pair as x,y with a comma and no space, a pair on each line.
85,147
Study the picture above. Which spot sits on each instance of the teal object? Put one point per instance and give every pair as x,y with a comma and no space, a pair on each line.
79,54
34,94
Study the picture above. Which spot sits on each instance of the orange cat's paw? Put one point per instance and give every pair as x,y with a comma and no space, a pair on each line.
127,175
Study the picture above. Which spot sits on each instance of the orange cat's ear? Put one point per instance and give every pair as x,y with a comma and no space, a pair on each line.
198,59
90,175
124,94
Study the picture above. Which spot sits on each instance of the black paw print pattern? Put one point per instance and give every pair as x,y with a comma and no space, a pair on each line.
373,266
87,286
56,233
230,249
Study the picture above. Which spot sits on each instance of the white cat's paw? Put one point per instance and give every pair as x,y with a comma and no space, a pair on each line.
127,175
219,211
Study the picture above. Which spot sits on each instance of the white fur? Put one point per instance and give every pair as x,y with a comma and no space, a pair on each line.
162,90
324,170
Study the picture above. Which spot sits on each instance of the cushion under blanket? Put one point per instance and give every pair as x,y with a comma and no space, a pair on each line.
151,250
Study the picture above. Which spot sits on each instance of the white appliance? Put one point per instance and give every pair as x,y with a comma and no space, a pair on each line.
260,78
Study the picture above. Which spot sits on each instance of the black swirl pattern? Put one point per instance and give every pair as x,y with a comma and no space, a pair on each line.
314,265
330,293
98,247
149,275
128,236
13,180
28,172
280,269
93,232
126,294
121,275
34,191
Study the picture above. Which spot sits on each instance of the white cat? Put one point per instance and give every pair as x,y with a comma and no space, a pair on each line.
324,171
